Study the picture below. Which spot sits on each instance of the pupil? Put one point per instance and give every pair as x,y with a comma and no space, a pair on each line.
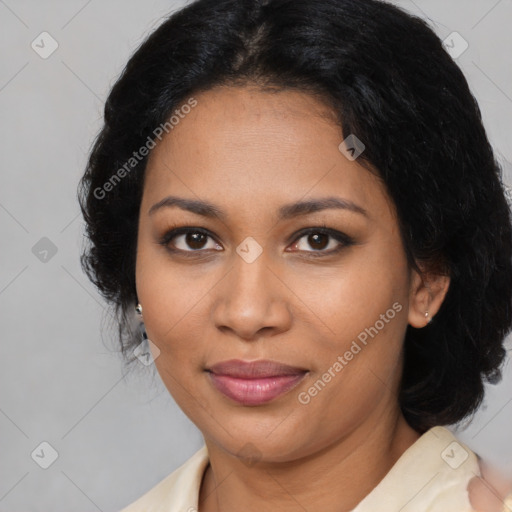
316,240
195,240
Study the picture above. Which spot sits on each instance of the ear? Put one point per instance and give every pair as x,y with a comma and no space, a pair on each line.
426,294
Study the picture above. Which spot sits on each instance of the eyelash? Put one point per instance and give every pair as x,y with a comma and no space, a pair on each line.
343,239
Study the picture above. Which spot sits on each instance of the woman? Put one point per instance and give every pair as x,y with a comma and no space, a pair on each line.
299,201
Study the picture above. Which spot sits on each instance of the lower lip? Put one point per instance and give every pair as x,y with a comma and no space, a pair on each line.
255,391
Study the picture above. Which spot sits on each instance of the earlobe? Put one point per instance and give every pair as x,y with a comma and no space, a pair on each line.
427,293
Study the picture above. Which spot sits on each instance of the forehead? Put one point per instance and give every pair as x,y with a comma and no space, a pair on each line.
249,148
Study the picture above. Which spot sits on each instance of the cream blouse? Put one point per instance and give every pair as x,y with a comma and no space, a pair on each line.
432,475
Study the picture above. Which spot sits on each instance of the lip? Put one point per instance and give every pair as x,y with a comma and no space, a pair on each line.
254,382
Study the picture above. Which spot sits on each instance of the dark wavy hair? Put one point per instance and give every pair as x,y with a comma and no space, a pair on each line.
388,79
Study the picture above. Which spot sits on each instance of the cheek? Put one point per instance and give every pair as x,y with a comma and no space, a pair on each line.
161,288
354,295
173,312
162,298
361,307
169,316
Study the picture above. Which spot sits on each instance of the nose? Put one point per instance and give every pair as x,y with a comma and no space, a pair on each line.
252,301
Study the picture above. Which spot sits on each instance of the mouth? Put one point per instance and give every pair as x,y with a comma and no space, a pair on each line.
254,383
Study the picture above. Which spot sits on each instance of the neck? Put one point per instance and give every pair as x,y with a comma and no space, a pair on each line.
334,479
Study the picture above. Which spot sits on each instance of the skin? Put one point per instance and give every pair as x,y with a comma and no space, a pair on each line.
488,491
250,152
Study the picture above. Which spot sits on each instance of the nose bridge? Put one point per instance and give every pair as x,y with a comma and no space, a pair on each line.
251,298
250,277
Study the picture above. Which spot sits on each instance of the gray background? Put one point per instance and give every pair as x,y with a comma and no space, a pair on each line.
61,380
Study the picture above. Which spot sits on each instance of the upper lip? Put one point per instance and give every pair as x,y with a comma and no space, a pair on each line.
254,369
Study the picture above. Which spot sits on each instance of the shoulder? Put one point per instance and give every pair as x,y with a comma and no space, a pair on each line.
178,491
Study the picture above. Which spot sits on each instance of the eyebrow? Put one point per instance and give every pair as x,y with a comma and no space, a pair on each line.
286,212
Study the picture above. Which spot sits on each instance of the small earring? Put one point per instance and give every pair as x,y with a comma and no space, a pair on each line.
138,308
426,316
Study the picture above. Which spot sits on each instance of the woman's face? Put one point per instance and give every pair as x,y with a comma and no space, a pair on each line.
250,283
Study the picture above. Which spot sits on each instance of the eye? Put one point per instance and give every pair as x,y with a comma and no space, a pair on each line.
189,240
321,240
